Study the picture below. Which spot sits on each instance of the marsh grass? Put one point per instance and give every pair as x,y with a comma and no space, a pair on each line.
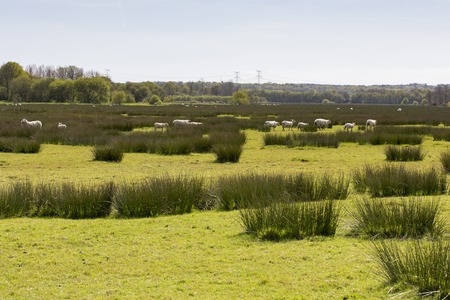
445,160
19,145
66,200
227,146
159,196
403,153
422,265
16,199
277,220
248,190
309,187
395,180
405,218
108,153
329,140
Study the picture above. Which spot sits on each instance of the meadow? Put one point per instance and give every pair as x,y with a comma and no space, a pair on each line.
205,252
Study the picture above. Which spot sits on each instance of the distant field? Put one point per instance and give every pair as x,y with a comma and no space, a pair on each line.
205,254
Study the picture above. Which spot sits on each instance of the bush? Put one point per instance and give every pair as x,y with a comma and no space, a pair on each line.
108,153
395,180
404,153
420,264
413,218
279,219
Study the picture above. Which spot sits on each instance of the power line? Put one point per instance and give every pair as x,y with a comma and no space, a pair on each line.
236,76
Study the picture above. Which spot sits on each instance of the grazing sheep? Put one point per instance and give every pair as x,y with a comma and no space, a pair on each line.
302,125
160,125
62,126
195,123
288,124
31,124
399,109
179,122
349,126
322,123
370,123
271,124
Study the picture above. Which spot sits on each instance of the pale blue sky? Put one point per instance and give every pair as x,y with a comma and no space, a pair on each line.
305,41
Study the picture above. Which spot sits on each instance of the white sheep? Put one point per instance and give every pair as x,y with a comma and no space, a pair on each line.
371,123
322,123
399,109
349,126
195,123
161,126
31,124
180,122
302,125
288,124
62,126
271,124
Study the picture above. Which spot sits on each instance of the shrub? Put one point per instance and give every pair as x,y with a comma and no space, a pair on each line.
159,196
445,160
420,264
413,218
108,153
404,153
395,180
281,219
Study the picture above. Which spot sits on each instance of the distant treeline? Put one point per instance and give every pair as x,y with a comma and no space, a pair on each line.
72,84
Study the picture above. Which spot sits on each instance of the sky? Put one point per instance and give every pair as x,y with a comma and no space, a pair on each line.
364,42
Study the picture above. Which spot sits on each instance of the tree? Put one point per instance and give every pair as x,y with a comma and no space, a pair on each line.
40,90
8,72
20,88
240,97
118,97
92,90
62,90
154,99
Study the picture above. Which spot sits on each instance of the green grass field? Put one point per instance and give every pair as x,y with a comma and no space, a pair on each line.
203,255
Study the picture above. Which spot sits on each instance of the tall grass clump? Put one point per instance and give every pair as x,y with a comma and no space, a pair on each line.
19,145
73,201
405,218
16,199
241,190
422,265
279,219
396,180
445,160
403,153
108,153
394,139
159,196
309,187
227,146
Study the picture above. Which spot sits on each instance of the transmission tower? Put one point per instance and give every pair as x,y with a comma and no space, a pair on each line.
236,77
259,76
